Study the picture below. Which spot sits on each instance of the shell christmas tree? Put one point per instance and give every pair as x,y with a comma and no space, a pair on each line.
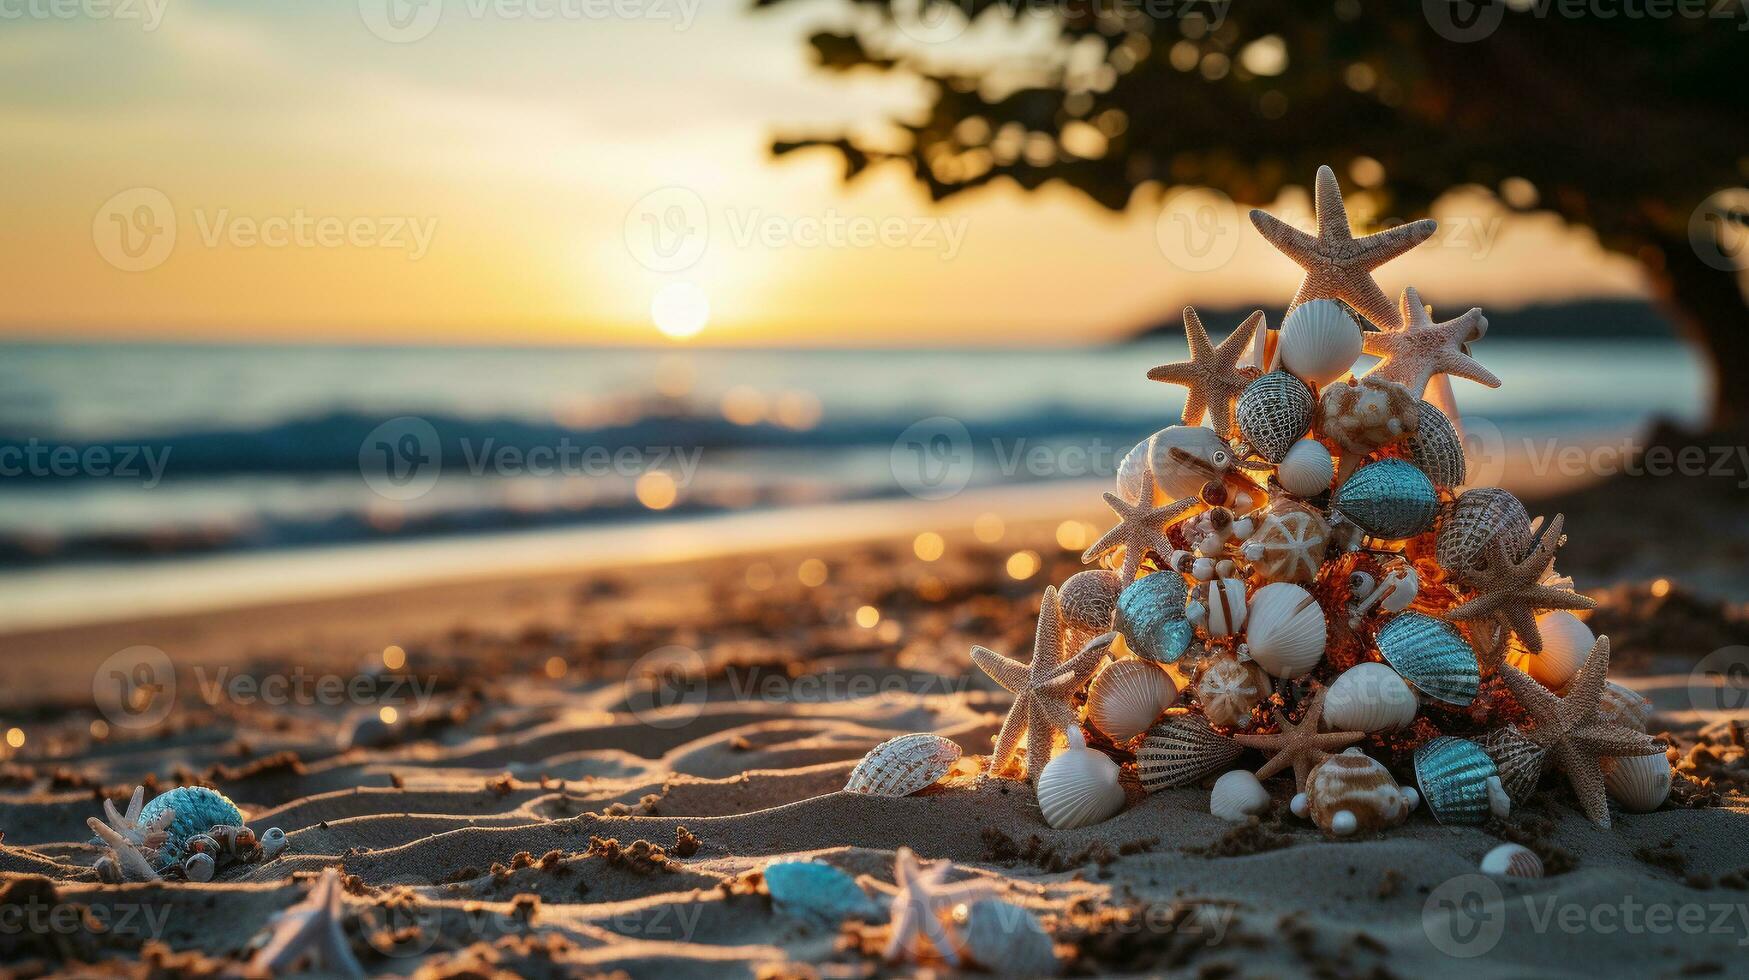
1306,580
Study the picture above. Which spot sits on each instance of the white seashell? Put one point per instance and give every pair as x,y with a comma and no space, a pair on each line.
1623,706
1513,861
1078,786
1174,480
903,765
1566,643
1286,632
1307,469
1319,342
1004,939
1131,471
1640,783
1369,697
1127,696
1225,607
1238,795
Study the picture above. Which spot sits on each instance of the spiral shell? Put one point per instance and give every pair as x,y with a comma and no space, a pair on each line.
1566,643
1519,760
1181,750
1273,413
1640,783
1369,697
1078,787
1361,416
1350,793
1150,615
1089,601
1625,707
1319,341
1476,519
1512,861
1307,469
1435,448
1004,939
1460,782
1289,542
1389,499
1176,480
1287,632
903,765
1228,688
1432,655
1238,795
819,892
1127,696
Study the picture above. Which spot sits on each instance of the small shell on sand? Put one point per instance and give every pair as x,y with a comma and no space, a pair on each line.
1237,796
1640,783
903,765
1079,787
1350,793
818,892
1512,861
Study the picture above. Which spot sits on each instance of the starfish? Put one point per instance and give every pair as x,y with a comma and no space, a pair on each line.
1419,349
1212,374
1301,746
310,933
1140,527
1513,591
1041,689
917,907
1338,265
1570,729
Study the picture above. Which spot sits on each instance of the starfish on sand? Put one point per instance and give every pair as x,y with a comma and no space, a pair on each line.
310,934
1042,689
1419,349
1212,374
1513,591
1570,729
923,895
1338,265
1140,528
1300,745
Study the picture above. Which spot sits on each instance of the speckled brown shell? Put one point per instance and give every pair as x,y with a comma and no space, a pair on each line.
1354,782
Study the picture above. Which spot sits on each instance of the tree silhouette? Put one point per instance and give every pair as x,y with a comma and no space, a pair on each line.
1629,125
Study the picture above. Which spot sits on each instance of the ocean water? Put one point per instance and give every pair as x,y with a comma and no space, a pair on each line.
125,453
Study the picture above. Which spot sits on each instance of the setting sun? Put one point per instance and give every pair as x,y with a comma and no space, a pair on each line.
680,309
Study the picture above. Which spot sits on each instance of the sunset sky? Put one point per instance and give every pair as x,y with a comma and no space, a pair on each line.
504,179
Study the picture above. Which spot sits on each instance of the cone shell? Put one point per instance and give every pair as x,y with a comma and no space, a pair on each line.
1369,697
1127,696
1237,796
1640,783
1089,601
903,765
1289,542
820,892
1150,615
1350,793
1435,448
1227,688
1519,760
1432,655
1286,632
1624,707
1459,782
1477,518
1078,787
1389,499
1274,412
1566,643
1512,861
1307,469
1004,939
1175,480
1182,750
1319,341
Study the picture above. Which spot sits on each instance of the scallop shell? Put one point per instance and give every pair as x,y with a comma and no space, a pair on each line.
1389,499
1566,643
1004,939
1350,793
1435,448
1273,413
1237,796
1319,341
1432,655
1287,632
1224,608
903,765
1078,787
1131,472
1089,601
1471,523
1369,697
1460,782
1289,542
1640,783
1519,760
1307,469
1512,861
1227,688
1181,750
1174,479
1150,615
1127,696
819,892
1625,707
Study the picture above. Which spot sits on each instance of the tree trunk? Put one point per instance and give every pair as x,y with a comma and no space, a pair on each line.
1709,306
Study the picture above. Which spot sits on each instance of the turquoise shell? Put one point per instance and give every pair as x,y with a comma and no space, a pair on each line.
197,811
1150,615
1389,499
818,892
1453,774
1432,655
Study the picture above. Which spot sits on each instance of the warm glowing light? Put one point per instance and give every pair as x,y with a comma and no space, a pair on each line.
656,490
868,617
931,589
394,657
798,410
743,405
929,546
15,737
556,667
812,572
1661,588
99,729
1072,535
989,528
760,576
680,310
1023,564
388,715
